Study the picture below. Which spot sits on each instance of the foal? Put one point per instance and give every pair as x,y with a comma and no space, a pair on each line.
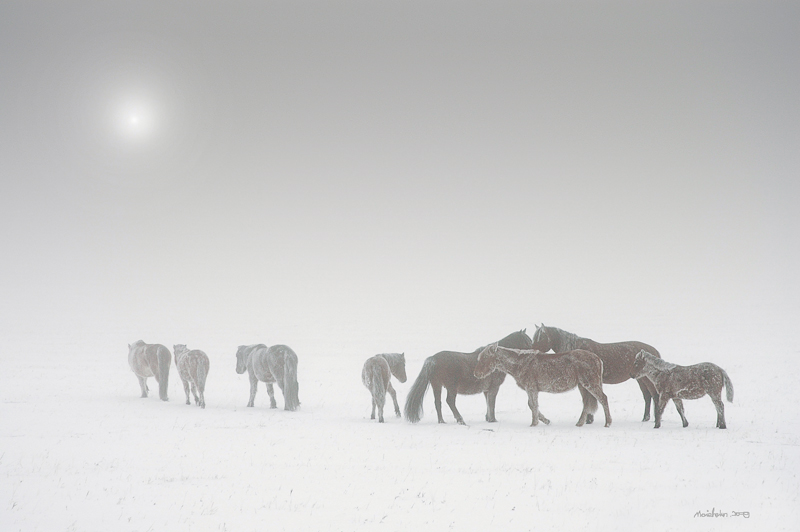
376,376
193,369
537,372
684,382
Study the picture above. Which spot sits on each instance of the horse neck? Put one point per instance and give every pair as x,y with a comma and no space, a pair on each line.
509,361
516,340
658,364
566,341
394,361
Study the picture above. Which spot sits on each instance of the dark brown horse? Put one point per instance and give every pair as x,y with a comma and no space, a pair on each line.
684,382
537,372
617,358
455,372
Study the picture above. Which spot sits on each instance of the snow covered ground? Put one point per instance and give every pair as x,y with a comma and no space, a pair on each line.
79,450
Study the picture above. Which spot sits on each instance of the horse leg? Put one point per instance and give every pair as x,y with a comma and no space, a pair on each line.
679,408
451,402
585,395
143,385
649,393
491,399
253,389
533,404
602,398
394,398
194,393
271,392
541,416
372,415
437,400
186,391
661,404
381,403
720,410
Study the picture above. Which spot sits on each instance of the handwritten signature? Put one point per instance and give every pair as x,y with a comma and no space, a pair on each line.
719,513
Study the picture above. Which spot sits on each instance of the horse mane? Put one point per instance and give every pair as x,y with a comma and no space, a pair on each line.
656,362
569,341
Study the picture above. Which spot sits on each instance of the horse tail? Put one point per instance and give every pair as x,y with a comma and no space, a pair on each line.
728,385
290,386
378,386
413,408
164,362
202,373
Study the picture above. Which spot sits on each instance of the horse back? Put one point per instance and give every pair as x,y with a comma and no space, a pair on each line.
456,371
375,368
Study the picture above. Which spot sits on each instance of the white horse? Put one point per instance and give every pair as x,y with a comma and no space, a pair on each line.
193,369
150,360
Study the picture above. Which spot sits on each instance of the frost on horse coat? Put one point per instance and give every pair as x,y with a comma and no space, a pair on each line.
684,382
274,364
150,360
454,371
617,357
193,369
376,376
537,372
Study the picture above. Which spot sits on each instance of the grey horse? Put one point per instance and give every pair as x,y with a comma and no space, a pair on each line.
277,363
150,360
376,376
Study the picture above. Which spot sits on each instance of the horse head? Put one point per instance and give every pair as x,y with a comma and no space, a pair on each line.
639,363
241,359
541,339
400,370
487,361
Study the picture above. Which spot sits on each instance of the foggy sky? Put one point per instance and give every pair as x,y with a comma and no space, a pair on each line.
396,164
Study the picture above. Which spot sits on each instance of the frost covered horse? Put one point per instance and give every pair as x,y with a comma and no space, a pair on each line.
193,369
617,358
150,360
537,372
684,382
274,364
455,372
376,376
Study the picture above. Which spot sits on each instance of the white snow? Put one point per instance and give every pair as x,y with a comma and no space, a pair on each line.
79,450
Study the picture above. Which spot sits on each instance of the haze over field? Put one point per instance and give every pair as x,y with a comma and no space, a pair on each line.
354,178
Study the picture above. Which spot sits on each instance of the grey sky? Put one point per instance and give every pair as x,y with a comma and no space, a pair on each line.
396,162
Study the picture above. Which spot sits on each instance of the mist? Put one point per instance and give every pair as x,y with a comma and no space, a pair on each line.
407,167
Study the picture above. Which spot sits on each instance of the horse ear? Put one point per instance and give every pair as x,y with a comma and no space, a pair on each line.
524,330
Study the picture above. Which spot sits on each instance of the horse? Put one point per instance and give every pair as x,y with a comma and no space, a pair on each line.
150,360
684,382
617,358
376,376
277,363
193,369
537,372
454,371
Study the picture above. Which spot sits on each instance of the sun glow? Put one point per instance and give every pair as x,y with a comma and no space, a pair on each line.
135,121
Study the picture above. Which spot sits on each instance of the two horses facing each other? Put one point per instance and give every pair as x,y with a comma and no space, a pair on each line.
277,363
683,382
193,369
537,372
376,376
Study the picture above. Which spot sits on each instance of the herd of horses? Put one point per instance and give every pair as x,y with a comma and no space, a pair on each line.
574,362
